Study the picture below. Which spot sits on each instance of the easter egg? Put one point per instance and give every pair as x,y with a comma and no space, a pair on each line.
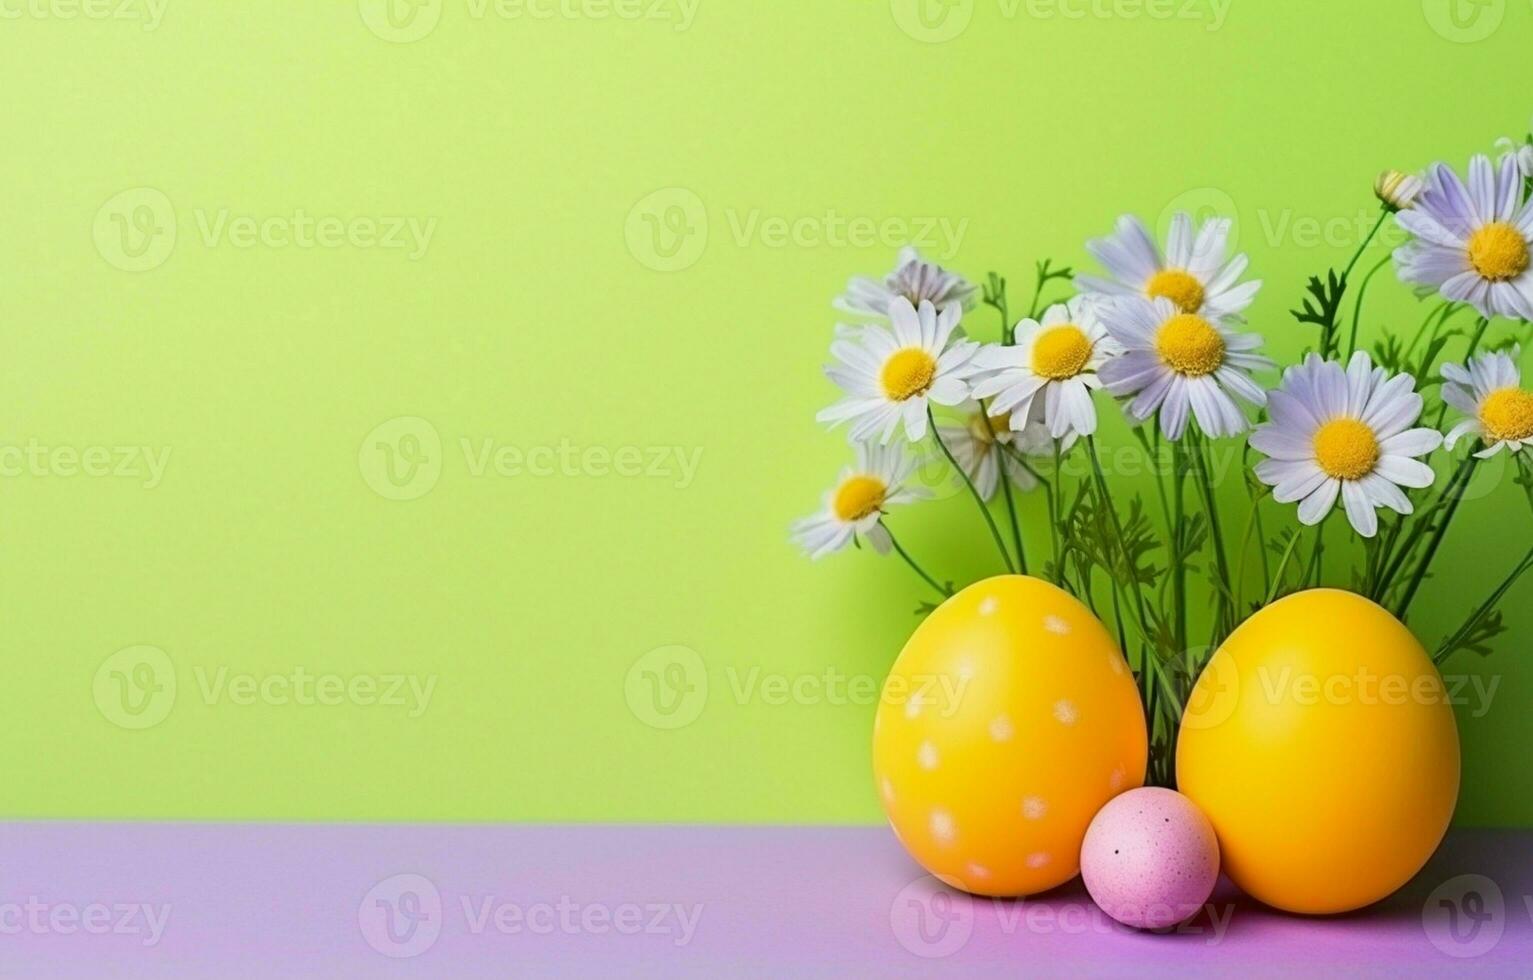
1150,859
1006,722
1320,743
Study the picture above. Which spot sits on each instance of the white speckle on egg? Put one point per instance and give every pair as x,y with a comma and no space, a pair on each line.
888,791
1116,663
966,670
942,827
913,706
1056,625
978,871
1000,728
1037,860
1115,781
1064,712
926,755
1033,808
989,606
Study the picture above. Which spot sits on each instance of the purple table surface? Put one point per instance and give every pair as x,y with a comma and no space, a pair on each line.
229,901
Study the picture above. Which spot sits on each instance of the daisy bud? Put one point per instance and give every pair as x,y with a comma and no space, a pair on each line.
1398,191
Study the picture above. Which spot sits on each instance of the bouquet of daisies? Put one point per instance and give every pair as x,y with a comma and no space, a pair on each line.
1160,335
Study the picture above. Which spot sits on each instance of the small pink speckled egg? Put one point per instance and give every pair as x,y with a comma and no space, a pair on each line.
1150,858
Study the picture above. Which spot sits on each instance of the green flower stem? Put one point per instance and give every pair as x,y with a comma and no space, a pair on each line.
995,532
1152,452
1151,718
1282,568
1380,556
1048,493
1357,309
1032,307
1527,476
1011,506
1058,503
1086,583
1404,606
1225,621
1395,562
1245,545
1045,275
1117,615
942,590
1452,643
995,295
1179,535
1316,569
1479,334
1384,214
1261,547
1441,313
1106,502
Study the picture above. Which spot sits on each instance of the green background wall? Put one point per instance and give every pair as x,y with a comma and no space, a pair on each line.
539,312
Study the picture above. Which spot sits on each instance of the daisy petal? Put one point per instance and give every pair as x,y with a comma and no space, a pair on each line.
1360,511
1319,503
1405,472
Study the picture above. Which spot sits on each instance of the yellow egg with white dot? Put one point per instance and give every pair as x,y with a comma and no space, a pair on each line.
1007,722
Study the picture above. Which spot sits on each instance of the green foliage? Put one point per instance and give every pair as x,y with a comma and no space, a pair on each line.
1477,638
1322,307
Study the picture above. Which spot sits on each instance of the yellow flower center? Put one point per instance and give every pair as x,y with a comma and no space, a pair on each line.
1177,286
1346,449
1190,345
986,433
1498,252
1508,415
1061,352
859,497
909,372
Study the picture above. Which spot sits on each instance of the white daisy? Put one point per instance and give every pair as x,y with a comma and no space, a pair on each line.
913,278
1175,362
1193,274
1344,433
861,496
1473,244
979,445
1489,390
1058,358
890,377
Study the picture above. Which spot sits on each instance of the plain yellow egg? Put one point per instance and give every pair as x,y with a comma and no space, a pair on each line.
1008,720
1321,745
